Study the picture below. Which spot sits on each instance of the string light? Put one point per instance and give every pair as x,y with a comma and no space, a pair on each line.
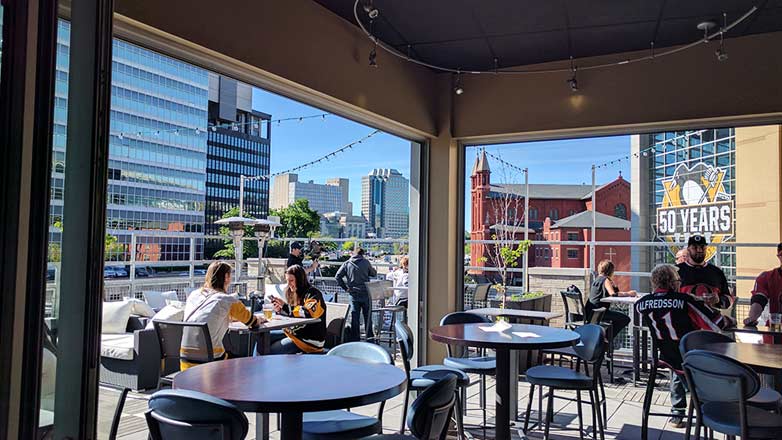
373,13
657,146
213,128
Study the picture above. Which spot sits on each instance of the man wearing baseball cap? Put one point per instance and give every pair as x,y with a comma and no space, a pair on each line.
702,279
296,256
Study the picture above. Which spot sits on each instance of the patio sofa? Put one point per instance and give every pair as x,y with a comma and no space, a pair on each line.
129,352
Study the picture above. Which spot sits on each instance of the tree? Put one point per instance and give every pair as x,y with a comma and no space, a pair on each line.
249,247
113,250
297,220
348,246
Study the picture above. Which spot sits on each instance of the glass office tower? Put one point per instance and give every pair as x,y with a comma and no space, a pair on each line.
157,150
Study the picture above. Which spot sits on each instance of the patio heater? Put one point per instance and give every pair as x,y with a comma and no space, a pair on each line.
264,230
236,230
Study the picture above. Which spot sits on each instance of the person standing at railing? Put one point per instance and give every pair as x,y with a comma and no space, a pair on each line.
352,277
767,294
603,286
296,257
399,278
701,279
212,305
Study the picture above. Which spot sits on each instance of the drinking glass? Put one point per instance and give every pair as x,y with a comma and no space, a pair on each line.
775,321
268,311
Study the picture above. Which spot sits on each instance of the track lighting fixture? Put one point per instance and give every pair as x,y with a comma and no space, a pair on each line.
373,57
573,81
721,54
457,88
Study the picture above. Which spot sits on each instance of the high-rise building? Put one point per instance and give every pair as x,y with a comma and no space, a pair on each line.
238,144
385,202
157,157
331,197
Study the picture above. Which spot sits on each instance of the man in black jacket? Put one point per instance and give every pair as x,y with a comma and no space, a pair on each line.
702,279
352,277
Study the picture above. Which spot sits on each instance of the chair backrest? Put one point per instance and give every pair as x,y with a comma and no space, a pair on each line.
463,318
430,413
185,415
336,317
404,336
592,343
718,378
574,305
481,292
169,335
698,339
379,289
362,351
597,315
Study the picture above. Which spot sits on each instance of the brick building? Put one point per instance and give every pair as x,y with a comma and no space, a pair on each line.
556,212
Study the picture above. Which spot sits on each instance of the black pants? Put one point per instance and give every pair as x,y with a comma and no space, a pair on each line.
618,321
361,305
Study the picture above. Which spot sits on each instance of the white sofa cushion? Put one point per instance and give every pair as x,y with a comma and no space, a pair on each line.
171,312
140,308
117,346
115,317
154,298
170,297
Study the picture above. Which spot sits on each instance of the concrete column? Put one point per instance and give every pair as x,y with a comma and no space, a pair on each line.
640,257
758,208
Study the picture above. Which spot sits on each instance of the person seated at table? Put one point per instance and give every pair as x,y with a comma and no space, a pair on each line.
766,293
399,278
212,305
603,286
302,300
669,315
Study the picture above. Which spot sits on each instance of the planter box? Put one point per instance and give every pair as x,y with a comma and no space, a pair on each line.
541,303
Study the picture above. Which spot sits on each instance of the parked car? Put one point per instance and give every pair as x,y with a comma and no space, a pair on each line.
120,272
199,271
144,271
108,272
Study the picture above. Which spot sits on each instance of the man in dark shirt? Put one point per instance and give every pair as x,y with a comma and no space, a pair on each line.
767,292
352,277
296,256
669,315
702,279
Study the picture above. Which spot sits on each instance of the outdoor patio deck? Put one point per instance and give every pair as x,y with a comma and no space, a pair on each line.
624,414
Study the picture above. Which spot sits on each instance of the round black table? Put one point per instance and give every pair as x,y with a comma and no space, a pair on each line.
517,337
763,358
294,384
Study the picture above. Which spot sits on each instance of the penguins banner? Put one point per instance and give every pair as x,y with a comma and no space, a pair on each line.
695,202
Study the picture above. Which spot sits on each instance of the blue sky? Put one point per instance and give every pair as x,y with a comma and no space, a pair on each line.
294,143
565,161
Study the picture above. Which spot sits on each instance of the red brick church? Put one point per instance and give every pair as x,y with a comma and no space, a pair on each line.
556,213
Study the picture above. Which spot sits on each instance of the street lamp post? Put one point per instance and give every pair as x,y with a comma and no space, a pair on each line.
236,228
264,230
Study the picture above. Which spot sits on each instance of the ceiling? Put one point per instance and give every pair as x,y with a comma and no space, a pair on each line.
470,34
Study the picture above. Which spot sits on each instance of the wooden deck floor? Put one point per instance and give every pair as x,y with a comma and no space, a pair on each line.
624,402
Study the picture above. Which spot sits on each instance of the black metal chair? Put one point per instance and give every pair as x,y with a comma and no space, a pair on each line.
341,424
430,413
591,351
720,388
576,315
336,318
481,365
188,415
169,335
421,378
379,291
765,398
481,294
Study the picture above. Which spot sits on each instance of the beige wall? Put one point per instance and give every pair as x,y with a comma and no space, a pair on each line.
758,190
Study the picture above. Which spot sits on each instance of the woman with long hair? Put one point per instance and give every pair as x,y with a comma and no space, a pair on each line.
302,300
603,286
212,305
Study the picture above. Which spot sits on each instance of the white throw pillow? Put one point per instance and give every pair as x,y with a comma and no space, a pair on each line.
140,308
154,298
171,312
170,296
115,317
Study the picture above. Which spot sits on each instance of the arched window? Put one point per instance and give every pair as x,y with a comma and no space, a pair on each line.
554,214
620,210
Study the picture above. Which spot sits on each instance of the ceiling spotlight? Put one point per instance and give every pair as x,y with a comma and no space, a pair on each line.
646,154
721,54
371,11
573,83
457,87
706,26
373,57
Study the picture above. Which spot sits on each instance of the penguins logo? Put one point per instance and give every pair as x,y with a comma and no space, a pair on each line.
695,202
